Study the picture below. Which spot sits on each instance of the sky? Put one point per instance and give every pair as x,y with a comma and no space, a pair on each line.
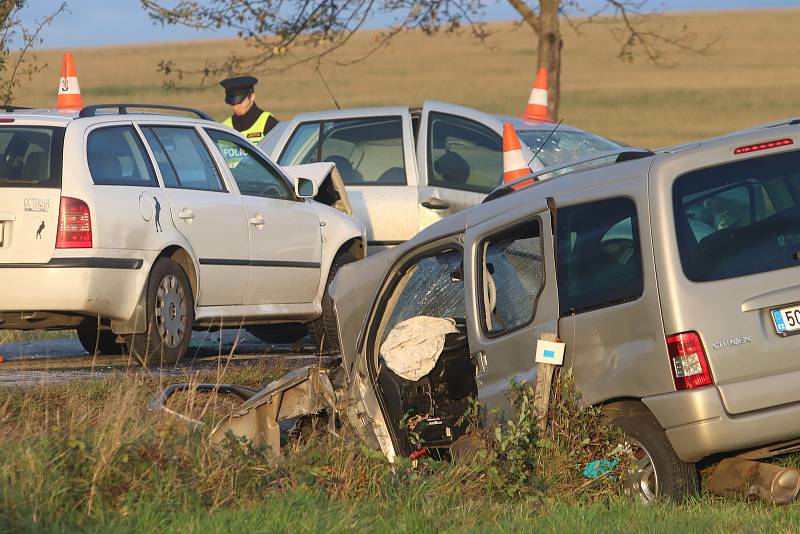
109,22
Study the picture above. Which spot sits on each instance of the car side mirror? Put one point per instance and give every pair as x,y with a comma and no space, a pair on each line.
305,188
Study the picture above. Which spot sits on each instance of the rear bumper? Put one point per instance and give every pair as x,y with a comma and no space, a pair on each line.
98,285
697,424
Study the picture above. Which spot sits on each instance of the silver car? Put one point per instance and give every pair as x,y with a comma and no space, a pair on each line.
405,168
671,277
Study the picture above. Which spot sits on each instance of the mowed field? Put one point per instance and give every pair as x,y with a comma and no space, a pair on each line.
751,75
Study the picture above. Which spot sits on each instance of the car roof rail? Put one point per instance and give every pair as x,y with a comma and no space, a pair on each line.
122,109
623,154
12,109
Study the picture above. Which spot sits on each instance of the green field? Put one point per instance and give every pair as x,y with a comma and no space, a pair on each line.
750,76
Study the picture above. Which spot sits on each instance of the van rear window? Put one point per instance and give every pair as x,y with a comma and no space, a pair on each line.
30,156
739,218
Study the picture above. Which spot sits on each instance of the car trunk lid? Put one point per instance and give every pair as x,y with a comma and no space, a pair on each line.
738,227
30,191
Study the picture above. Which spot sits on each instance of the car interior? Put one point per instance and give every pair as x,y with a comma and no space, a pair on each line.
429,412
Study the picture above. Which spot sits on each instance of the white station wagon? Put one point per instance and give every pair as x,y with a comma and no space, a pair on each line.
144,225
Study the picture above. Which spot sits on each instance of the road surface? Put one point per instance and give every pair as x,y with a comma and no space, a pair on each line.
58,360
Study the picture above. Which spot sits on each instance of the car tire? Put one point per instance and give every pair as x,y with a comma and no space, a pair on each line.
103,341
279,333
170,316
655,472
324,330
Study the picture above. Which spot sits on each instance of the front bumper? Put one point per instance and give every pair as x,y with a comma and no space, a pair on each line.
697,424
98,285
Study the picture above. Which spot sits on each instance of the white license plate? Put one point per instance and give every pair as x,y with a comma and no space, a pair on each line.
787,320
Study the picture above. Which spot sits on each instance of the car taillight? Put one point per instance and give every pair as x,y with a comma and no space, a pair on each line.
74,224
688,361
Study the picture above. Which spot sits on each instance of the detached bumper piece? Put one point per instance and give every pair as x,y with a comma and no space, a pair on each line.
304,391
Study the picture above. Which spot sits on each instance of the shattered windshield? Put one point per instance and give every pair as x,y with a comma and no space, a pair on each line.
433,287
563,147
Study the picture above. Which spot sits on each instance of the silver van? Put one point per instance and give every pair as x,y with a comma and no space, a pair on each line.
672,278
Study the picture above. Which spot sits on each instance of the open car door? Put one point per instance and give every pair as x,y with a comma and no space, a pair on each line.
513,297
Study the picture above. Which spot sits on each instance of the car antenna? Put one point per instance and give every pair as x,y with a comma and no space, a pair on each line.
545,142
321,77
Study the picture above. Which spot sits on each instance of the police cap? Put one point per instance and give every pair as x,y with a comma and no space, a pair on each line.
237,89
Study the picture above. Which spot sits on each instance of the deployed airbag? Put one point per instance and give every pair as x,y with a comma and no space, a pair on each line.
413,346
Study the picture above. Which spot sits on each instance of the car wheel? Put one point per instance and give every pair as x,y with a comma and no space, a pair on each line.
324,331
94,341
279,333
655,471
170,316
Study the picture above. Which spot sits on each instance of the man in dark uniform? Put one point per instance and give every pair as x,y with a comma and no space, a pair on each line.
248,119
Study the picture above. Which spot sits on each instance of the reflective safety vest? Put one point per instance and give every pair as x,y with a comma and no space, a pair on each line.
255,133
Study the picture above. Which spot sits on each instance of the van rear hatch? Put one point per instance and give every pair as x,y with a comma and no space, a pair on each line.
738,230
30,191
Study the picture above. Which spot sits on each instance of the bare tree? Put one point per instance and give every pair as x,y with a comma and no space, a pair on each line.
284,33
16,43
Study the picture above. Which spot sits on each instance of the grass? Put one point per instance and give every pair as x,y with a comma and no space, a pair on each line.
18,336
750,76
87,457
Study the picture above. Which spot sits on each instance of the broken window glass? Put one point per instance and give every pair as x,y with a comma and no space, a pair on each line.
512,278
434,286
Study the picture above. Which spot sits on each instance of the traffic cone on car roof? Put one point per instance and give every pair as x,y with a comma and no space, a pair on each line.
69,92
537,102
514,164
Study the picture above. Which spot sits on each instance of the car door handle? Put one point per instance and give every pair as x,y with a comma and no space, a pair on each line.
187,214
434,203
257,220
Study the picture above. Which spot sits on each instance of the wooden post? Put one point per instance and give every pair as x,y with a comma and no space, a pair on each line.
544,382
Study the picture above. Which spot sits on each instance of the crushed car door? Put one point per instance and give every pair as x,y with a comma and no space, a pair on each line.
512,301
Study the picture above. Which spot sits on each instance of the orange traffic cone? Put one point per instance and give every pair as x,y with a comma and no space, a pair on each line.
514,164
537,102
69,92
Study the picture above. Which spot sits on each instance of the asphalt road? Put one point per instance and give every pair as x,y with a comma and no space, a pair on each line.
59,360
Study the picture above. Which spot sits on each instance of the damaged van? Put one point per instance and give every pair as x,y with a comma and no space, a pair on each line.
670,277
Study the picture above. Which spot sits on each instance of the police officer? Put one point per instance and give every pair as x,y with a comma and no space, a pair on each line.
249,119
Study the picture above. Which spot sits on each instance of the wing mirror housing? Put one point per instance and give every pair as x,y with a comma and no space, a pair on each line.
305,188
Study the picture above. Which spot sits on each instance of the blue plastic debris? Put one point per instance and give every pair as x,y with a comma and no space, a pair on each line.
599,468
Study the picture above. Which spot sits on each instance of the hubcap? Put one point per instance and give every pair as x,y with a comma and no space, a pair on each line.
641,481
170,311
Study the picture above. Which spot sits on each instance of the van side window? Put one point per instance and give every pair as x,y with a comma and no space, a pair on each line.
598,258
190,164
463,154
511,278
116,156
434,286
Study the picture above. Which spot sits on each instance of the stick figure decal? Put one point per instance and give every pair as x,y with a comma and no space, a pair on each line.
39,231
158,215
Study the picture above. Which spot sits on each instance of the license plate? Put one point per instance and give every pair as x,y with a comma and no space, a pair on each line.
787,320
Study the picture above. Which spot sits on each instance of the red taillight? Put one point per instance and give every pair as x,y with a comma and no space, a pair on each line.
4,121
762,146
74,224
688,361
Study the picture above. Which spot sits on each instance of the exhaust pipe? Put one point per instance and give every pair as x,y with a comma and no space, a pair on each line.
749,480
